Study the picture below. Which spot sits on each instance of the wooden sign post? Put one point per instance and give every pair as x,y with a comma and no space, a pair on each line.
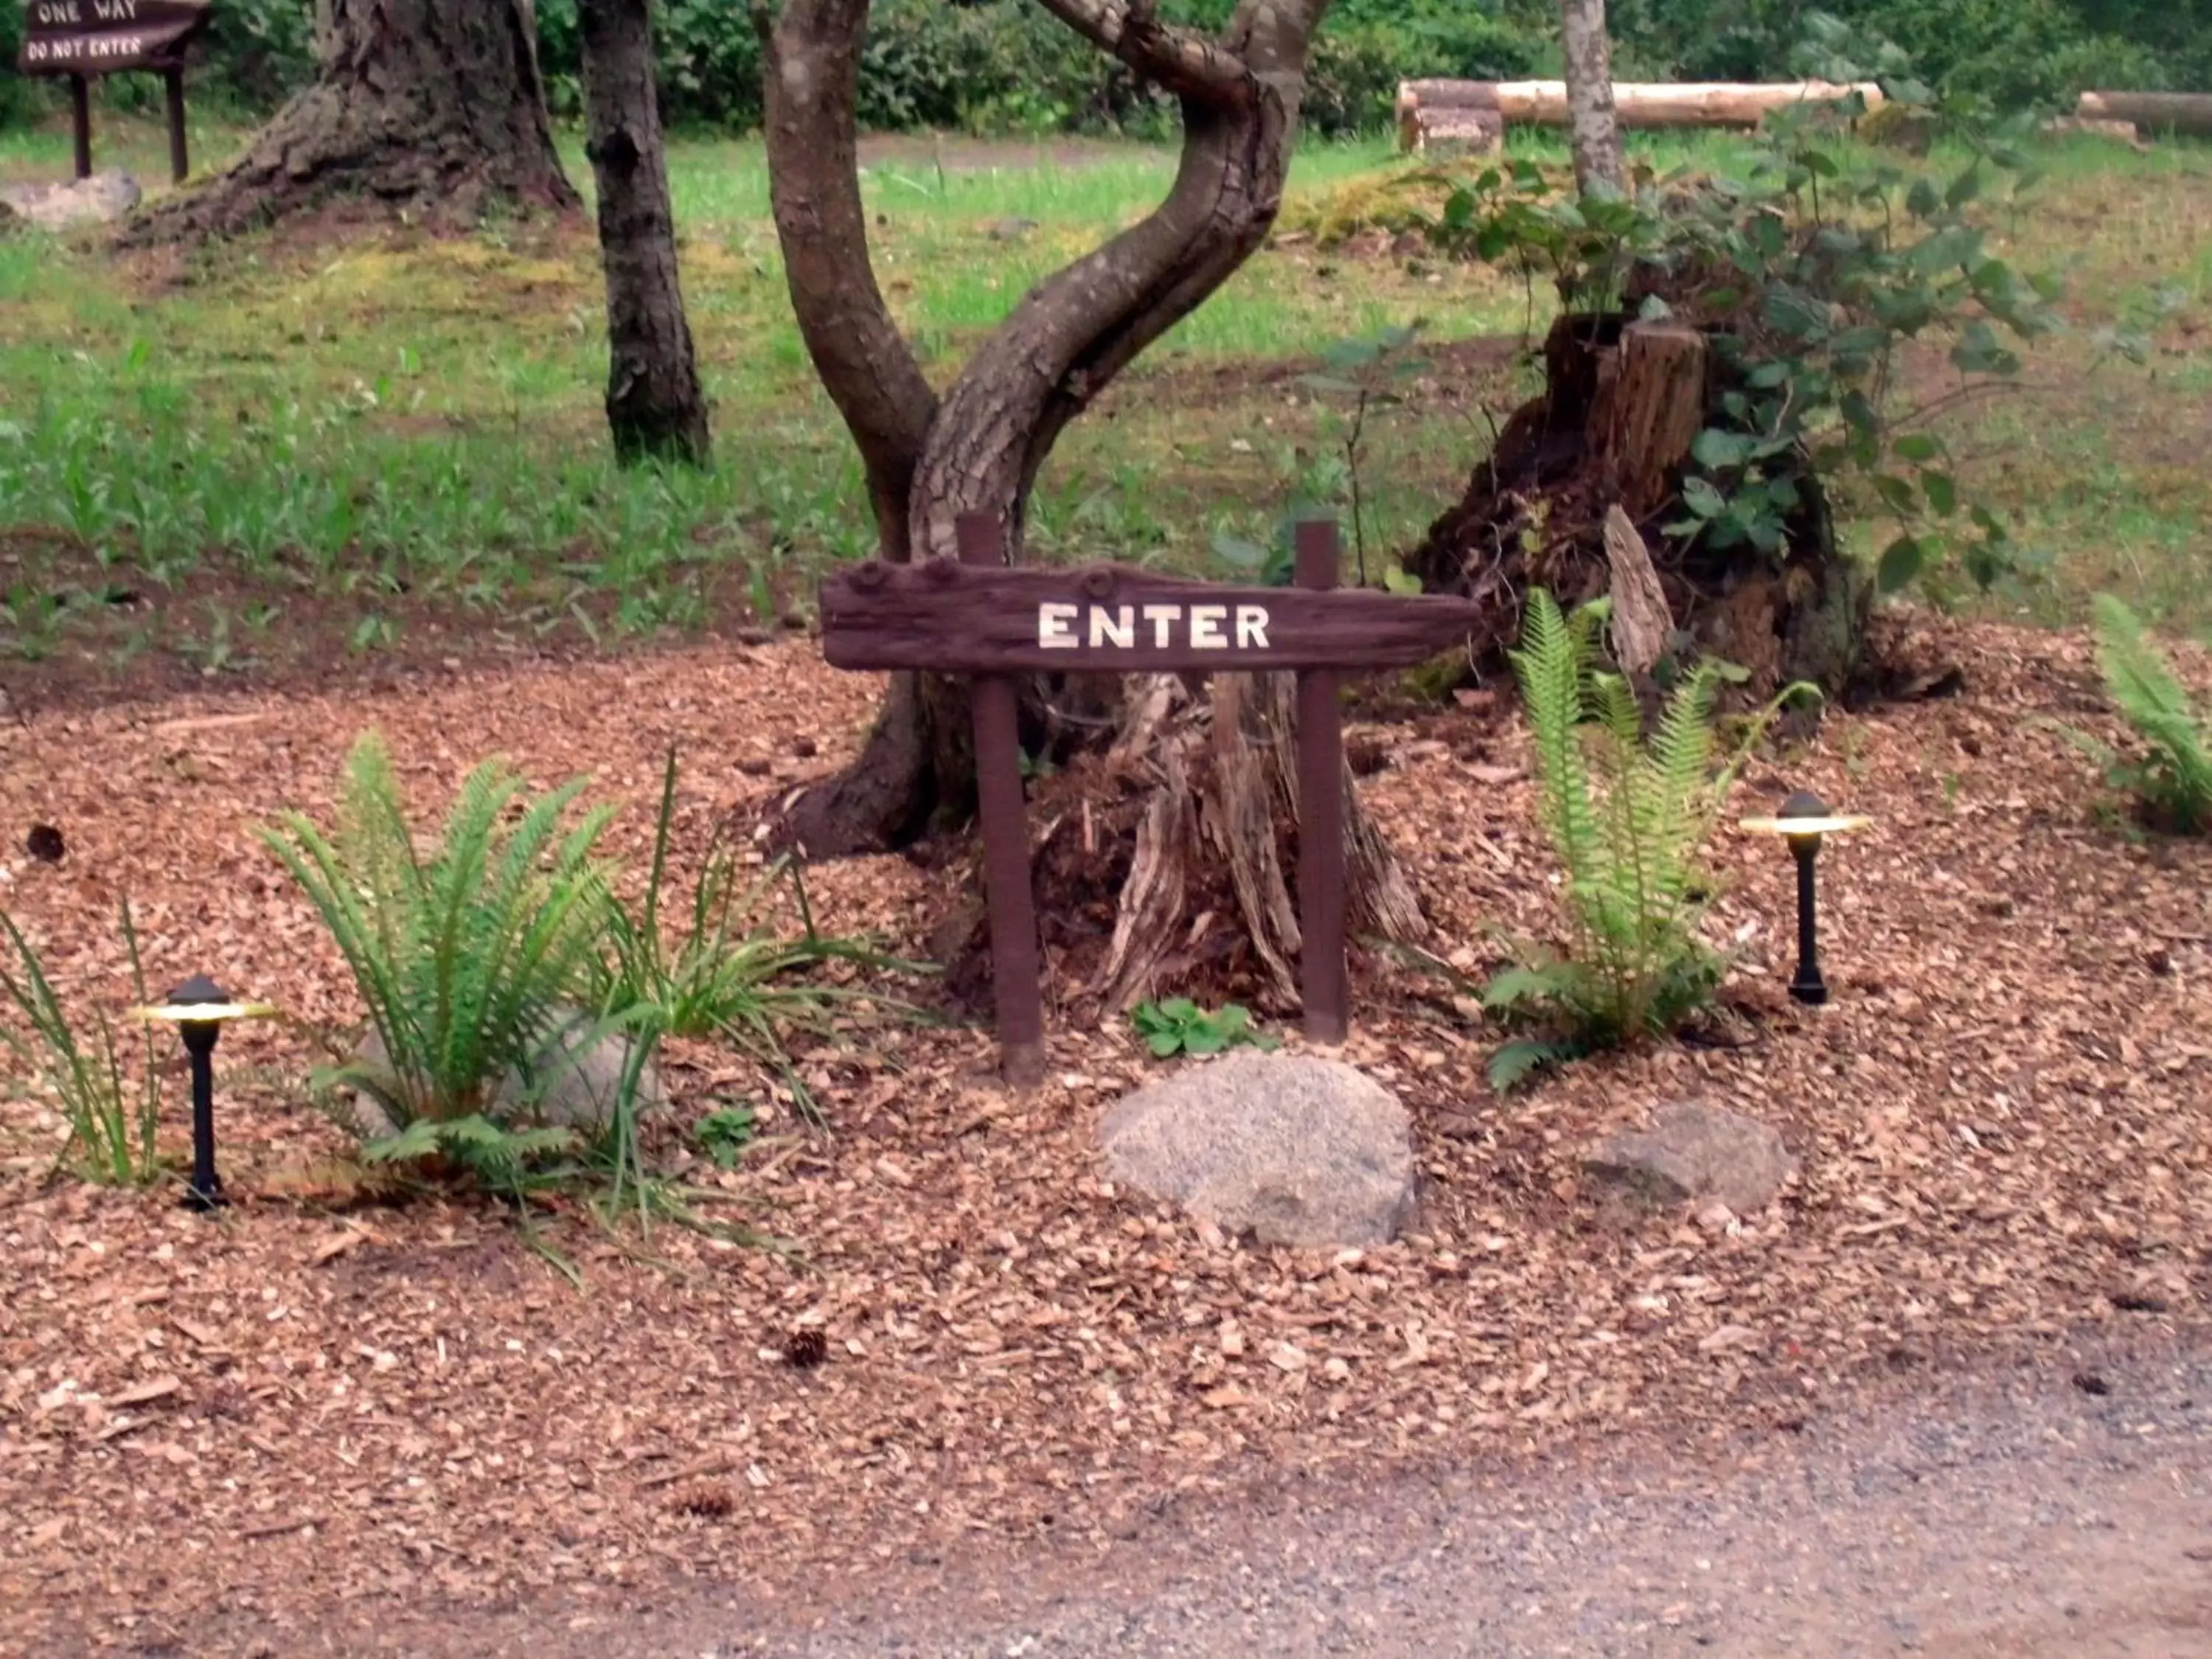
978,616
82,38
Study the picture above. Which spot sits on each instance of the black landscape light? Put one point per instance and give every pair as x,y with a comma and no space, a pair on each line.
199,1009
1804,820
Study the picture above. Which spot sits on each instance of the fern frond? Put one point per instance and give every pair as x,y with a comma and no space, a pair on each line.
2152,700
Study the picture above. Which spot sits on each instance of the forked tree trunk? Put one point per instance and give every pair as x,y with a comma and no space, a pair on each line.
434,106
655,408
1594,127
979,450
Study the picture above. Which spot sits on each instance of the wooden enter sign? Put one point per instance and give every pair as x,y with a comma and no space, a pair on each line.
979,616
84,38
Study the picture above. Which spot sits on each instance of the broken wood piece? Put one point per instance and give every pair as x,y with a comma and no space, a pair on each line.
1642,626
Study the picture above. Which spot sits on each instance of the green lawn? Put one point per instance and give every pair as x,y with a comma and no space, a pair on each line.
401,428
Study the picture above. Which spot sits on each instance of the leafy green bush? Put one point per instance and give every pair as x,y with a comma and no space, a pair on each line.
1809,273
2172,781
471,961
111,1121
1627,820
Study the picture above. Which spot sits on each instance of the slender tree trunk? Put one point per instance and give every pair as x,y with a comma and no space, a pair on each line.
1593,125
654,406
434,106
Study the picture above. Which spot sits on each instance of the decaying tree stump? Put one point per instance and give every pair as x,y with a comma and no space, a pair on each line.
1610,436
1165,864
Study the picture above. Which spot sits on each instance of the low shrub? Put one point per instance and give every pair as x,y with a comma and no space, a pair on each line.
2170,780
1627,820
471,961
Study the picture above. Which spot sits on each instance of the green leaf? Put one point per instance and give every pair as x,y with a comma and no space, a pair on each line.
1964,188
1897,494
1720,449
1397,581
1942,492
1164,1044
1923,201
1917,446
1900,563
1702,499
1514,1063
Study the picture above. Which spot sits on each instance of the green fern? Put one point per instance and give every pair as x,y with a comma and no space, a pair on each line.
2173,782
1627,818
470,961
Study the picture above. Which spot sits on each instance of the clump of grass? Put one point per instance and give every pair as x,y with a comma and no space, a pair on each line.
111,1119
729,975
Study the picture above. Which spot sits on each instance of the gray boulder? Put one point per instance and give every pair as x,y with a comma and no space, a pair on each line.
578,1092
1294,1150
1693,1150
96,200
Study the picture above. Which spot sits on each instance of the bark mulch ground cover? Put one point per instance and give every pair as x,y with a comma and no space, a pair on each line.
216,1436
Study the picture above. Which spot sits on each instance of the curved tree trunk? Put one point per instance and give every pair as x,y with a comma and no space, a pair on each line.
979,449
434,106
654,406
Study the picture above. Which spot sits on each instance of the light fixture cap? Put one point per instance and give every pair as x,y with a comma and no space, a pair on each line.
200,1001
1805,814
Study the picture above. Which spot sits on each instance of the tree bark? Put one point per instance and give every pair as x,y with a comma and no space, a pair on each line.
1594,129
655,408
430,106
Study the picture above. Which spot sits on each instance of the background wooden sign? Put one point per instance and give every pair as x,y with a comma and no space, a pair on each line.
84,38
98,36
980,616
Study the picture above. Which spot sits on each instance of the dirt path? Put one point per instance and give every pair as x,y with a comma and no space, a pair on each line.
2019,1514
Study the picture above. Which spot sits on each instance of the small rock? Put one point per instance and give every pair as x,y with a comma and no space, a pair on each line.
1011,230
1296,1150
45,844
1693,1151
96,200
576,1094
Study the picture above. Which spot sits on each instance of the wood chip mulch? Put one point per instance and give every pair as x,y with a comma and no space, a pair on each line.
312,1403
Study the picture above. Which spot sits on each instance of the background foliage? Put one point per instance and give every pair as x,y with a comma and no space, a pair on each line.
1007,66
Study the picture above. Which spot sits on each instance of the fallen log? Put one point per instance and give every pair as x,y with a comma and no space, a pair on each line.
2187,112
1687,104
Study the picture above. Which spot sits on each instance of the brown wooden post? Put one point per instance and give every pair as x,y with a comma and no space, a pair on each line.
1016,975
1321,979
80,114
173,80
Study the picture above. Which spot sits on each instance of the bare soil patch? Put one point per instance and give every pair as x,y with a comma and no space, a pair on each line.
221,1436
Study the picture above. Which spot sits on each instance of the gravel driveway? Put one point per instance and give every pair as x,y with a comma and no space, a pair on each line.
2058,1506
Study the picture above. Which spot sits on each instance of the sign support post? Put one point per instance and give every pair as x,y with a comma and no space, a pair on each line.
173,83
1321,974
1016,977
80,121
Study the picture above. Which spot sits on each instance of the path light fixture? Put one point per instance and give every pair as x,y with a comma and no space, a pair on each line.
1804,820
199,1010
